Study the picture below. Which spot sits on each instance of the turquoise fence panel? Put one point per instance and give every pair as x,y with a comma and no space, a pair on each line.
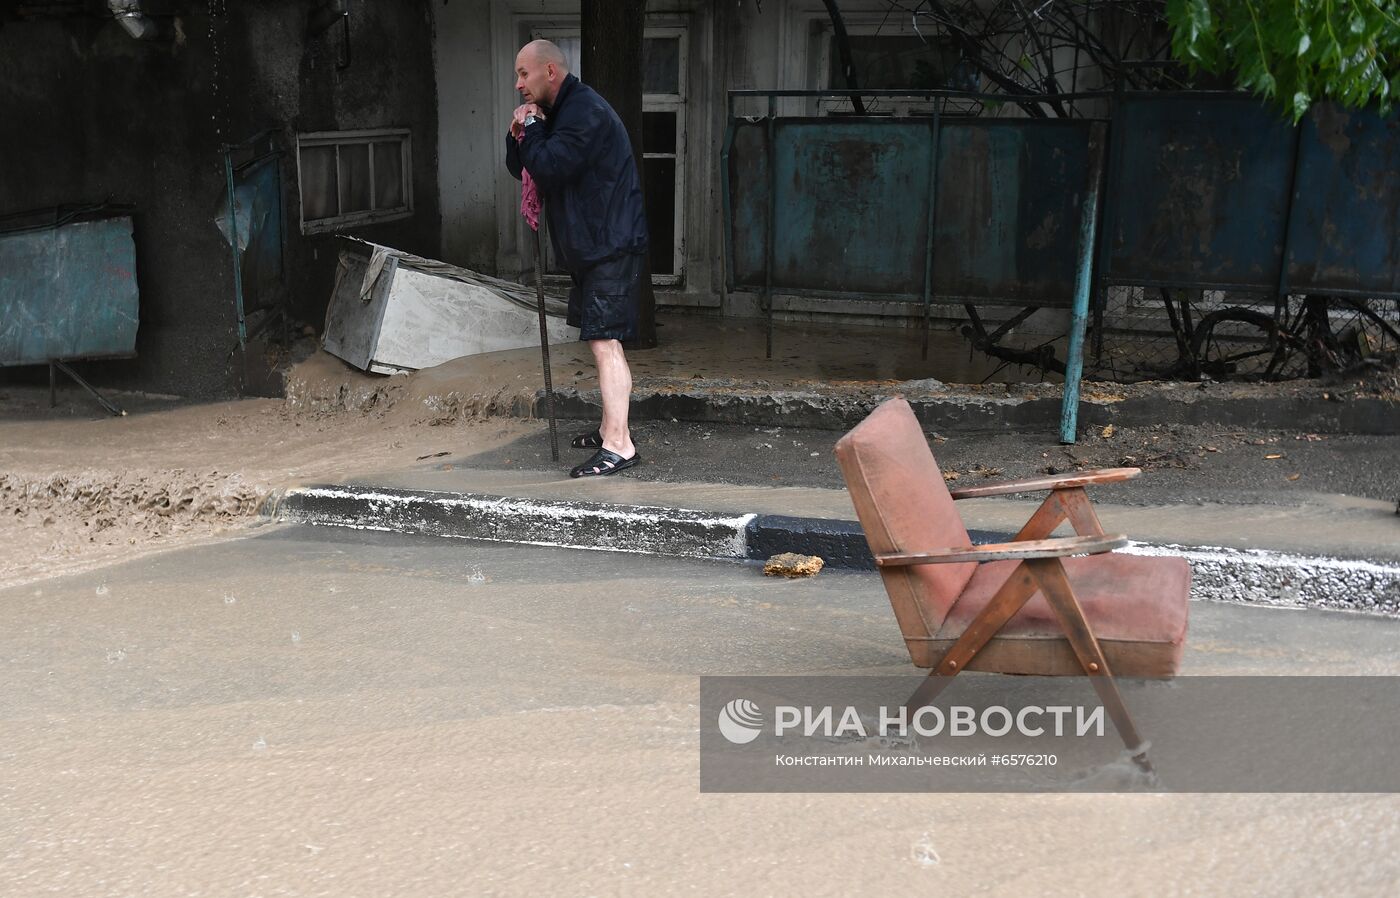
748,198
1345,234
1010,198
1205,190
258,213
68,291
851,205
1198,191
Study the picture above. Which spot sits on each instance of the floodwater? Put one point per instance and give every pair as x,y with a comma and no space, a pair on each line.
322,712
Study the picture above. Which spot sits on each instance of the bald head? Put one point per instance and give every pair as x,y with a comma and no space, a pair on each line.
546,53
540,69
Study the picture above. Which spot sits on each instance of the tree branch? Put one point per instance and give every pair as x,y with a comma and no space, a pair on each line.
843,47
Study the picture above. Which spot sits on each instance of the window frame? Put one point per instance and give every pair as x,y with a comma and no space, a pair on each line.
338,139
673,103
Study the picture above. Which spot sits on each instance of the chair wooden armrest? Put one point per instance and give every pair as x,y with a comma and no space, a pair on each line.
1050,482
1039,548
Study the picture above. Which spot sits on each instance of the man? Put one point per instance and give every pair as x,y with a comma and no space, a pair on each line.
576,150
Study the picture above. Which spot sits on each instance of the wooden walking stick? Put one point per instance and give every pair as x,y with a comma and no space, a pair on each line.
544,346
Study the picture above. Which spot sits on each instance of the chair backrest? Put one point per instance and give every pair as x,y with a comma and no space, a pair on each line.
904,506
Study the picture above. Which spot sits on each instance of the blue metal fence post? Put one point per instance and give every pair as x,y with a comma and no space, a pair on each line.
931,222
1088,225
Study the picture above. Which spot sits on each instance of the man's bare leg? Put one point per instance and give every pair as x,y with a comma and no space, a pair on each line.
615,383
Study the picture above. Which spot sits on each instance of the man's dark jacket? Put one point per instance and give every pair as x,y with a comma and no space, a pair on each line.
581,159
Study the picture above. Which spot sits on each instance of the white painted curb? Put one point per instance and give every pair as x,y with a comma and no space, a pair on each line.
1254,576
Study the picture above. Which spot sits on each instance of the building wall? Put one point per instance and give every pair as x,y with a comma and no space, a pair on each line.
89,114
730,46
467,133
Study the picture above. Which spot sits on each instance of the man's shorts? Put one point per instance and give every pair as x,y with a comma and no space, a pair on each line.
603,301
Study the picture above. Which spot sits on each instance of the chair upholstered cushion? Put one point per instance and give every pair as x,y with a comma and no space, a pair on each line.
904,506
1135,605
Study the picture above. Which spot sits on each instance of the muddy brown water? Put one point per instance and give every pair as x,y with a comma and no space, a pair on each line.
316,712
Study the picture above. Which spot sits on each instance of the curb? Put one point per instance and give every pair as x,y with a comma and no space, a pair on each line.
571,525
1253,576
951,415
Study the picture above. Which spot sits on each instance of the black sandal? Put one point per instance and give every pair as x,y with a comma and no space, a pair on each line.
592,440
604,462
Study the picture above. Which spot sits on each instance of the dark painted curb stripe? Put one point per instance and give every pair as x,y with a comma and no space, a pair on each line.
839,543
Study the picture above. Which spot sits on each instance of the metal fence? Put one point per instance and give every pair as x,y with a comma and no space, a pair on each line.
1234,244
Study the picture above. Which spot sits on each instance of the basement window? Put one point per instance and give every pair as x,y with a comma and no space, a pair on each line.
352,178
894,62
891,61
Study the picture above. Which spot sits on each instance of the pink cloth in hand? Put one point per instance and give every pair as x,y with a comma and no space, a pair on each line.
529,196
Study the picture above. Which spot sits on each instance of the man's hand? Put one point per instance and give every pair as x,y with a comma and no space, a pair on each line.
517,125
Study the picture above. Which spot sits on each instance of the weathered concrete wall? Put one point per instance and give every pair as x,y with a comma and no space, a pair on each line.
90,115
729,46
469,129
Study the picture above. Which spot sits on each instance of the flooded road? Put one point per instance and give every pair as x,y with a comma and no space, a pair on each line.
320,712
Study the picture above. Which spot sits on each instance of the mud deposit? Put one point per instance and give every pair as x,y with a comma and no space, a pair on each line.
80,489
56,519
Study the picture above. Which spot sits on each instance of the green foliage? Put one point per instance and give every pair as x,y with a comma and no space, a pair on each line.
1295,51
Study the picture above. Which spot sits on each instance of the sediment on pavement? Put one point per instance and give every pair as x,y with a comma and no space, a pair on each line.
508,384
62,517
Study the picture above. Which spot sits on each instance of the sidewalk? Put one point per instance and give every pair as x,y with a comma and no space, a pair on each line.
826,376
1281,494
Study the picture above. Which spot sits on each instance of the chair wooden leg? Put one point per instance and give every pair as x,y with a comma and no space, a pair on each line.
1072,504
1014,593
1049,574
1080,512
932,686
1046,518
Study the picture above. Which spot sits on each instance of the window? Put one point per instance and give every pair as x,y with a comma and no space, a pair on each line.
351,178
895,62
663,151
892,61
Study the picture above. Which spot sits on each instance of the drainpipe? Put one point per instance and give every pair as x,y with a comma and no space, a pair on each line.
326,14
137,24
324,17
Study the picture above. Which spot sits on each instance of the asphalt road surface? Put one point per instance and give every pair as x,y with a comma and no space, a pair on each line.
1183,463
326,712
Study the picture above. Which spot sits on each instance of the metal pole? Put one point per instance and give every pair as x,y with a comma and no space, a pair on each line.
1088,225
768,237
1281,283
544,347
727,257
102,400
1098,289
237,256
931,221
